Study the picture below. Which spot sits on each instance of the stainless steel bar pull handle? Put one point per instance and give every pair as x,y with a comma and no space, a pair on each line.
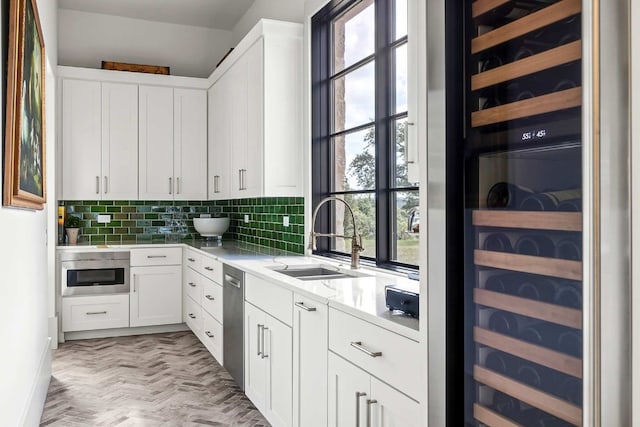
97,184
359,394
264,353
369,403
106,185
209,297
156,256
358,345
258,336
304,307
240,179
216,184
209,268
209,334
230,280
91,313
409,155
191,259
193,285
178,185
170,185
193,316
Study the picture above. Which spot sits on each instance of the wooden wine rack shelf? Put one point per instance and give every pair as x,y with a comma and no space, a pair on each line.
561,268
542,104
534,21
536,398
554,313
561,221
490,418
534,353
532,64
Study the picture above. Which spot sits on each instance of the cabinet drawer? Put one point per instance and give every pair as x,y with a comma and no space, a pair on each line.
274,299
399,362
192,284
95,312
212,299
193,316
156,256
212,269
192,259
212,336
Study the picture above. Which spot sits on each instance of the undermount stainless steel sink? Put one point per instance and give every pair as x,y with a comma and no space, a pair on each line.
317,272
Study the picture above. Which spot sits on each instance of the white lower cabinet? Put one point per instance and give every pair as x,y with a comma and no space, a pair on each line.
193,315
356,398
155,295
268,365
212,336
310,329
84,313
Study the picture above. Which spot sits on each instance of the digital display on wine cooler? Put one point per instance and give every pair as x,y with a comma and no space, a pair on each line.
533,135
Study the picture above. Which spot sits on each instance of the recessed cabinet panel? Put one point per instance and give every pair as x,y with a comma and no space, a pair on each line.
156,180
219,153
81,136
190,144
349,389
156,294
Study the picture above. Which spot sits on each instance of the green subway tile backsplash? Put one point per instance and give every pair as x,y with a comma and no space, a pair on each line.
170,221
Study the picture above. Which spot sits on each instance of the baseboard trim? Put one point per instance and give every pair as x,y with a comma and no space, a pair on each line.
123,332
38,395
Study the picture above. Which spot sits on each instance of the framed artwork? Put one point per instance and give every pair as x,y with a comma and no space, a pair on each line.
24,143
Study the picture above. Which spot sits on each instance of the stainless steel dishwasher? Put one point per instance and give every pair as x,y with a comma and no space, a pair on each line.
233,326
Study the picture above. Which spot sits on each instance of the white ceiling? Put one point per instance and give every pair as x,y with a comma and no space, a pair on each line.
218,14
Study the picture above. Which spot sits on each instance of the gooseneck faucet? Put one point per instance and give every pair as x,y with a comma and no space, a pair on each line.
356,240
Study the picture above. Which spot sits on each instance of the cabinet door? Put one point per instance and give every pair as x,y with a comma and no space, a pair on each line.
156,143
252,175
156,295
220,139
119,141
81,140
278,354
392,408
190,144
239,126
255,375
349,389
309,363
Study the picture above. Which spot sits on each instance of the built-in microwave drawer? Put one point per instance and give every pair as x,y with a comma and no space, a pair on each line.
384,354
156,256
84,313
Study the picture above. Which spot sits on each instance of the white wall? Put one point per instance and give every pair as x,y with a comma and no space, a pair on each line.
24,355
284,10
86,39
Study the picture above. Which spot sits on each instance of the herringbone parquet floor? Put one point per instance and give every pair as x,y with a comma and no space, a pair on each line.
148,380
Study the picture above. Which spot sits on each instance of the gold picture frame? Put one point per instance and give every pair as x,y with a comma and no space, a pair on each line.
24,144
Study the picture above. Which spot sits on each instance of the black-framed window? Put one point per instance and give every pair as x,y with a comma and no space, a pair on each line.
359,122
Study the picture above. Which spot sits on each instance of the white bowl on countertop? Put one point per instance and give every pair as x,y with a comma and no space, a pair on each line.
211,227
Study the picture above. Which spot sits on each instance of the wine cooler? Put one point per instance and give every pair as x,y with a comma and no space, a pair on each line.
525,206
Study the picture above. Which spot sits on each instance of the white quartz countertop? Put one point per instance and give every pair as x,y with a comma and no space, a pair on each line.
363,297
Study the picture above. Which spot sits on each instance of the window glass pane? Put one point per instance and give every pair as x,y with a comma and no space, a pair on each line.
405,227
401,176
401,19
401,78
354,98
355,161
364,210
353,35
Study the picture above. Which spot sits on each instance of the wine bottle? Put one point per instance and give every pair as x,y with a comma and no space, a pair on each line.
535,245
536,376
549,200
564,84
507,323
569,295
543,419
495,16
571,205
504,195
542,333
539,289
519,92
506,283
497,242
569,248
570,389
501,363
493,61
570,342
505,405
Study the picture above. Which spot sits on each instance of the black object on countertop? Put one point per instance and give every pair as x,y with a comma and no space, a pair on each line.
402,300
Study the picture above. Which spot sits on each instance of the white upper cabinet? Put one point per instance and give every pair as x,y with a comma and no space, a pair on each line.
190,144
156,143
99,140
259,87
119,141
172,141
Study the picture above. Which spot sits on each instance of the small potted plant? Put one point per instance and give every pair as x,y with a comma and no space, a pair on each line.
72,225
